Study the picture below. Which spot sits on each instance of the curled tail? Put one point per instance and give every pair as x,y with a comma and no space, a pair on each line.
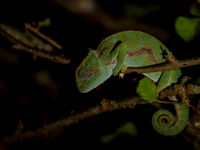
164,122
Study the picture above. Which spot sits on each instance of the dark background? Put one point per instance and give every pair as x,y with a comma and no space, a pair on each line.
25,97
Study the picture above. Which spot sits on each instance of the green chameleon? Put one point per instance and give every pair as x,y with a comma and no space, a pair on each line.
133,49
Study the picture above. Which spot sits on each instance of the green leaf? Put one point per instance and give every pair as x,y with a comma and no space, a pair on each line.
195,9
187,28
107,138
44,23
127,128
147,89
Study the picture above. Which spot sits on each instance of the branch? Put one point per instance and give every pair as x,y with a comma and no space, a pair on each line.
165,66
177,89
29,43
46,38
106,106
46,55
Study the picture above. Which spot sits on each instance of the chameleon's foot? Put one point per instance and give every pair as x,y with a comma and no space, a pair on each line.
171,58
123,71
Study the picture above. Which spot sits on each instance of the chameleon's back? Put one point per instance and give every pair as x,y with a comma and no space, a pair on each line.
141,49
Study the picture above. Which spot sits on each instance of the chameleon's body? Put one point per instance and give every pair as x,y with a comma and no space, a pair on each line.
132,49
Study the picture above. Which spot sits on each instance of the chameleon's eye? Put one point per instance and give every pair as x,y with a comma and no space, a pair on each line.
85,73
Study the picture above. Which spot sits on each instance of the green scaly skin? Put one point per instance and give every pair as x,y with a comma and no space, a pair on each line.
132,49
171,127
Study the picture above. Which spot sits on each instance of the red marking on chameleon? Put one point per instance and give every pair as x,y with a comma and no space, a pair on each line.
143,50
87,73
101,51
111,62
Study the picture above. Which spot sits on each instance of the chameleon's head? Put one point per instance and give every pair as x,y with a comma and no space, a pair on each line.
93,71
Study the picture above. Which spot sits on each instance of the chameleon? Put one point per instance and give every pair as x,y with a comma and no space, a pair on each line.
133,49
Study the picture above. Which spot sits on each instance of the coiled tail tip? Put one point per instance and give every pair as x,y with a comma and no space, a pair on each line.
163,121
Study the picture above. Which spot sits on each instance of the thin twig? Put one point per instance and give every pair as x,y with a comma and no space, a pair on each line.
106,106
31,44
29,27
165,66
54,58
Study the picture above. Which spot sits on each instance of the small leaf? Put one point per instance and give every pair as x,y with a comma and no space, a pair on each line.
195,9
128,128
187,28
147,89
107,138
44,23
